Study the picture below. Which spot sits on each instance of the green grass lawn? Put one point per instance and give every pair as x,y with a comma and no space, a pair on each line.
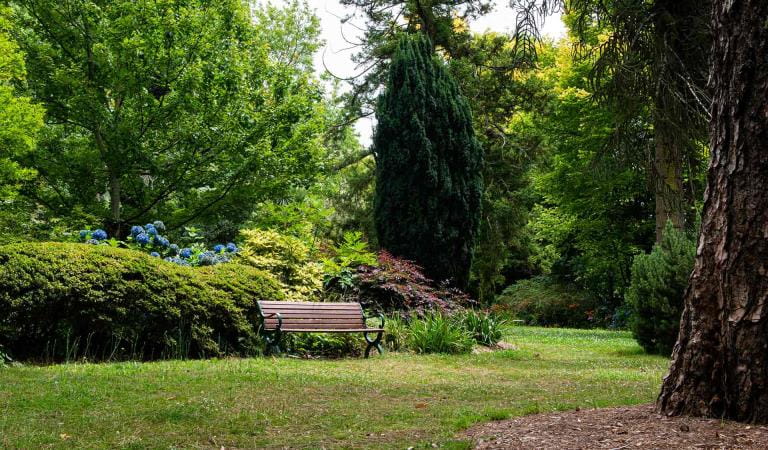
397,400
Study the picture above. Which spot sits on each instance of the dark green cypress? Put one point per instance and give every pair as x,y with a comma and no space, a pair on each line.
428,165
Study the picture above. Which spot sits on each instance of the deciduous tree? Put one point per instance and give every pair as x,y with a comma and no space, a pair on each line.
191,110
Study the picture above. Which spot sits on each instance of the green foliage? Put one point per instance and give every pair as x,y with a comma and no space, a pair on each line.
5,359
396,335
329,345
187,110
438,333
428,166
351,253
63,301
593,212
286,257
545,301
20,119
659,280
485,328
305,216
501,99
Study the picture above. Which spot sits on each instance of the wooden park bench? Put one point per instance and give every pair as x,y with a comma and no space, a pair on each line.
278,318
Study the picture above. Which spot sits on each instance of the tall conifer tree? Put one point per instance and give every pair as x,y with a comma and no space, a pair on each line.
428,165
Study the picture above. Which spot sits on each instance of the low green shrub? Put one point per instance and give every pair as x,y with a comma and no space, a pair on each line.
547,302
438,333
485,328
329,345
64,301
655,294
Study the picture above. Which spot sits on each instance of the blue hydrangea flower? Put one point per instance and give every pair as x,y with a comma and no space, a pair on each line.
159,225
142,238
174,249
150,229
221,258
185,252
218,248
231,247
155,254
136,230
160,241
206,259
83,234
92,241
179,261
99,235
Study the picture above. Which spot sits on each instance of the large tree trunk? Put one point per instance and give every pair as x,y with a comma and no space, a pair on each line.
720,362
668,180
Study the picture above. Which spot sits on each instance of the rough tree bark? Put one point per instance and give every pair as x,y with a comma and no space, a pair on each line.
720,362
668,182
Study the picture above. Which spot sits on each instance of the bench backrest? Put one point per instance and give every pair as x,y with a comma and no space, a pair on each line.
313,315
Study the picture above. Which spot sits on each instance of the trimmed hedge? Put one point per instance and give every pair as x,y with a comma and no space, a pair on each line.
62,301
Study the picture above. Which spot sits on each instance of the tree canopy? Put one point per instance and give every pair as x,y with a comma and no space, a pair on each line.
189,110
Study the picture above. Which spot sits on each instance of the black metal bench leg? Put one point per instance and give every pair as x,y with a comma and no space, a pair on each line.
273,343
373,343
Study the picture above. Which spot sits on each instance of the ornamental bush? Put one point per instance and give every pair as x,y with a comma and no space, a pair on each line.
437,333
398,285
288,258
546,301
655,294
67,301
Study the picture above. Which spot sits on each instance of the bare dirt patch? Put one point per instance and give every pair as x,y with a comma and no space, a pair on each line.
616,428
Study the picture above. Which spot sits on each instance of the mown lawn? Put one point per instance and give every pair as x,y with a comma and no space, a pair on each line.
399,400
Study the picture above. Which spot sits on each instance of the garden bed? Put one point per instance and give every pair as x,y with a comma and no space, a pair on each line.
616,428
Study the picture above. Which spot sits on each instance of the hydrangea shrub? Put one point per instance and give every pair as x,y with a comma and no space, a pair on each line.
150,239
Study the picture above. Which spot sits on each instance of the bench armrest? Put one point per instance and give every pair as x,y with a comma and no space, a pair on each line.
279,319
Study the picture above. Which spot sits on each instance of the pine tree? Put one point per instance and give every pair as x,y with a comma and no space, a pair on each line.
428,165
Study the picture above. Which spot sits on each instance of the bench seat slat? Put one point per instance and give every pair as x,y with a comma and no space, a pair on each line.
332,330
322,315
316,319
336,326
292,305
307,323
279,303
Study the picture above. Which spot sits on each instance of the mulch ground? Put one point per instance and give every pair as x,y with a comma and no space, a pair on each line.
616,428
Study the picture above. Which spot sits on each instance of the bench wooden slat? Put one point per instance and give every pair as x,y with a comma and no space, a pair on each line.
333,330
314,316
286,323
335,326
310,305
357,319
312,308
